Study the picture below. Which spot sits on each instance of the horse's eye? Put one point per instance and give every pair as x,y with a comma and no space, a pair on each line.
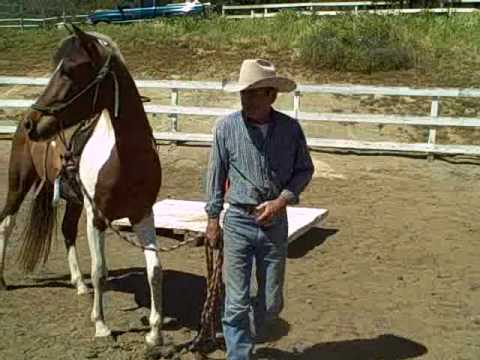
64,73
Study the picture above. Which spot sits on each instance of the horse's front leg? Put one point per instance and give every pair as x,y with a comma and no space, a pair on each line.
96,243
69,229
145,230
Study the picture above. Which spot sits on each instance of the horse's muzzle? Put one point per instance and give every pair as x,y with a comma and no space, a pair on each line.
39,127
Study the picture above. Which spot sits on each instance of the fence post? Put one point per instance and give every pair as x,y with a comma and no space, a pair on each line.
223,10
252,13
296,104
174,117
434,113
265,12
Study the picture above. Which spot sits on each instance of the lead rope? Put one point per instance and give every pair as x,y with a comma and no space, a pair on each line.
206,339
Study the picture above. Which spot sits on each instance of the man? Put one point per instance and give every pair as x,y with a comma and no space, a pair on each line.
261,156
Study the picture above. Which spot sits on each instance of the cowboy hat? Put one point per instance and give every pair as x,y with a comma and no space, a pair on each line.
259,73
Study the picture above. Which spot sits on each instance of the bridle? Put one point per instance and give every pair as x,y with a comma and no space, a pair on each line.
96,82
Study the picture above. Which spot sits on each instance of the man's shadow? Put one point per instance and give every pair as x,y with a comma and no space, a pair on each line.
313,238
386,347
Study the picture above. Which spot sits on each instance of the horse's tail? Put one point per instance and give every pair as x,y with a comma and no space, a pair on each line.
37,236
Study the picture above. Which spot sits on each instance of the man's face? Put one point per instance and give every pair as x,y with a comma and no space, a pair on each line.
256,102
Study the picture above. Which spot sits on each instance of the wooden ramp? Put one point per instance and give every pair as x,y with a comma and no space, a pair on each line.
190,217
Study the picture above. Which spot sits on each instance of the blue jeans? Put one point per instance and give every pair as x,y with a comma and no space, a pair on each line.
245,242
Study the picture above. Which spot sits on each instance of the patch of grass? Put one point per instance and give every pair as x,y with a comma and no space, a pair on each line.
442,50
358,43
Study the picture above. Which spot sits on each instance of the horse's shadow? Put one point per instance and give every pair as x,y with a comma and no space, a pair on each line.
183,293
385,346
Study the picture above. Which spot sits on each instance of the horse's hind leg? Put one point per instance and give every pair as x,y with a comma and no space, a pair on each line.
7,222
145,230
21,176
69,229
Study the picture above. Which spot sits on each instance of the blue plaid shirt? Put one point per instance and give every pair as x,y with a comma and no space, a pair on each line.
258,167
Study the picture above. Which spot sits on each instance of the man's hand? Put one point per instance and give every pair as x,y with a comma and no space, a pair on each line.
213,233
268,209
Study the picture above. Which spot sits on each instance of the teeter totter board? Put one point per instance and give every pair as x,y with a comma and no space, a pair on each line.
189,218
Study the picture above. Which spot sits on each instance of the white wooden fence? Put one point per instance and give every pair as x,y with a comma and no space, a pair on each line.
433,120
355,7
269,10
25,23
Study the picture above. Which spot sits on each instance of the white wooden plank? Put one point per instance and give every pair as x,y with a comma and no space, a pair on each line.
185,137
323,143
395,147
304,116
185,215
7,129
345,144
339,89
413,120
157,84
302,5
185,110
373,11
350,89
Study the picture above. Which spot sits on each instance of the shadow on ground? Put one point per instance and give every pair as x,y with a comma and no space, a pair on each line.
313,238
386,347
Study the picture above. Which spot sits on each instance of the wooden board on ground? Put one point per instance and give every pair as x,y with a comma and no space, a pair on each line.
189,216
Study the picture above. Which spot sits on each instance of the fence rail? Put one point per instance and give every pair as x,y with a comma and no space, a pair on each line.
355,7
433,120
40,22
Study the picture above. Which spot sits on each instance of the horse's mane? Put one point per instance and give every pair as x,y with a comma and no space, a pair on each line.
66,44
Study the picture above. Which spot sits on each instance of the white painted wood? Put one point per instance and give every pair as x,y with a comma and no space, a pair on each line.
304,5
340,89
434,112
173,116
356,12
377,146
304,116
433,121
296,104
7,130
184,215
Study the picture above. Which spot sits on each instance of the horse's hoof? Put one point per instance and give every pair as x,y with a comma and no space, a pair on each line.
102,330
153,339
82,289
3,286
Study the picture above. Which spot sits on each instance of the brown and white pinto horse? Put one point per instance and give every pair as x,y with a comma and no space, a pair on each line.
119,167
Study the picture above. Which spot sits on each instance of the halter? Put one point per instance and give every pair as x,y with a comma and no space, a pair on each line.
101,75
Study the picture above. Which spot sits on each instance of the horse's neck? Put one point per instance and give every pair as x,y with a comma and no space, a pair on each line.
131,126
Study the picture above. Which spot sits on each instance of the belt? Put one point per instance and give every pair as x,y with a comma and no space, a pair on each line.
248,209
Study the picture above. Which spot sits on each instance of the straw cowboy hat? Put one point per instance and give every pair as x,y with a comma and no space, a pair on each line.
258,73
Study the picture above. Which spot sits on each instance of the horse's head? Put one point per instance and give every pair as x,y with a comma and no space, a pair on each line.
76,90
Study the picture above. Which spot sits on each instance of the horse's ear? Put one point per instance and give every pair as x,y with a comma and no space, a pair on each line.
89,43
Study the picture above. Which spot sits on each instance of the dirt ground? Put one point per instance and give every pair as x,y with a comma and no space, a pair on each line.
393,273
